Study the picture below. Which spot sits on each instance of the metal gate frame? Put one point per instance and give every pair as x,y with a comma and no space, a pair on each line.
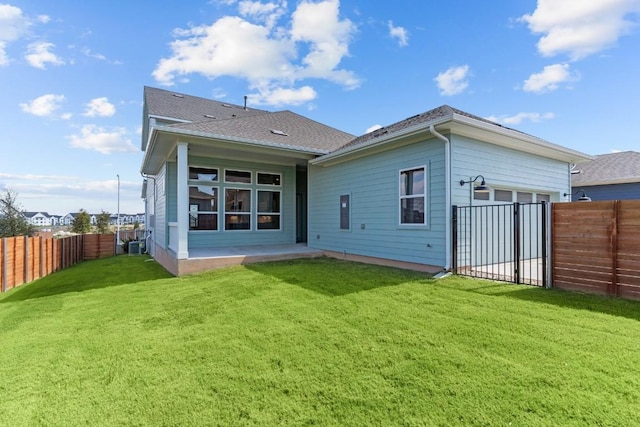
506,242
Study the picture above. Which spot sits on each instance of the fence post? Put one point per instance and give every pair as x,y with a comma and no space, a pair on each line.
42,256
26,259
5,267
516,242
544,243
454,239
614,248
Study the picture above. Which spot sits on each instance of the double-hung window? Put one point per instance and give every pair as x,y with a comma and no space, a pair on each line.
203,198
268,209
413,195
237,209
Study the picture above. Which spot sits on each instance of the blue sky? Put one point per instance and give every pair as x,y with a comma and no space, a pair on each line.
72,75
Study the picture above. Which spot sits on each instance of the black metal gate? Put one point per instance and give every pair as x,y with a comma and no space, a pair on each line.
502,242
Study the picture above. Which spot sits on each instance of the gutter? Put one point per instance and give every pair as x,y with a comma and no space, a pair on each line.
447,191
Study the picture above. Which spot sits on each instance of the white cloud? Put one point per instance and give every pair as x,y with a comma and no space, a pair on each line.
399,33
453,81
43,19
39,55
13,25
268,13
43,106
96,138
579,27
99,107
282,96
264,54
550,78
372,128
520,117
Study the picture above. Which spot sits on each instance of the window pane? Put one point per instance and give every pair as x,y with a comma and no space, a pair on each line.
237,200
268,179
412,210
503,195
237,176
203,174
268,222
543,198
200,221
237,222
525,197
269,201
203,198
480,195
412,182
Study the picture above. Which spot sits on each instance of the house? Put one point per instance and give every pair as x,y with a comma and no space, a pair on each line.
38,219
614,176
225,176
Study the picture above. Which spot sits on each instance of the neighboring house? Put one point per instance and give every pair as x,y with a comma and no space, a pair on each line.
222,175
614,176
38,219
68,218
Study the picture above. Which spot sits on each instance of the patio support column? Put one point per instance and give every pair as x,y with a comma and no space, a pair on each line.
183,200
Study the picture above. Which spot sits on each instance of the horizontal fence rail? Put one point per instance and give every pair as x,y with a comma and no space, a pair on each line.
24,259
596,247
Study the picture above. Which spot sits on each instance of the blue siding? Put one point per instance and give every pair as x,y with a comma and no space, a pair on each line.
373,184
504,169
220,238
627,191
160,231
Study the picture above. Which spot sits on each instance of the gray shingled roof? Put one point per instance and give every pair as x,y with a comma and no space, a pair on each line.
211,118
164,103
283,128
444,111
608,169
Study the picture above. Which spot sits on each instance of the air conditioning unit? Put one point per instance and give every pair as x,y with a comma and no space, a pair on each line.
134,248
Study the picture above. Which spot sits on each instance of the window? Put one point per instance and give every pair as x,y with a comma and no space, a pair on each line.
269,178
481,195
237,209
543,198
503,195
344,212
268,210
203,174
524,197
203,208
242,177
413,195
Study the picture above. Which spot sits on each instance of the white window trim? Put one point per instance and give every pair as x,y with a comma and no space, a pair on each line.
413,196
217,213
225,213
269,185
238,170
267,188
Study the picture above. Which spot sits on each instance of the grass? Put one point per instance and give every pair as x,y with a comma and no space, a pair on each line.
311,342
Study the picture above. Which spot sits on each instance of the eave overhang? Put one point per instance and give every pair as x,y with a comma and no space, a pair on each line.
459,125
164,139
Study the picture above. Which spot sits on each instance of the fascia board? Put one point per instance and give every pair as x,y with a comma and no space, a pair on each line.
505,137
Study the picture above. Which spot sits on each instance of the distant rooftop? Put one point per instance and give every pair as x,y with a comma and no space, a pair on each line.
614,168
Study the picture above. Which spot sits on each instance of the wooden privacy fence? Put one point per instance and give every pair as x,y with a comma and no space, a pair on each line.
24,259
596,247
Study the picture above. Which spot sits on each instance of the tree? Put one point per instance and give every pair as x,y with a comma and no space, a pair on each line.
102,222
81,223
12,219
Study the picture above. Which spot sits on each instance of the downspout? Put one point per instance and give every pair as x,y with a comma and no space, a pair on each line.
447,191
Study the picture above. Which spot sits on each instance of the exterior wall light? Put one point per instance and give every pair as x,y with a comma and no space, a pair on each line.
582,198
482,188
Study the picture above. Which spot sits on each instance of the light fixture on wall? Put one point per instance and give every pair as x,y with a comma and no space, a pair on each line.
582,198
482,188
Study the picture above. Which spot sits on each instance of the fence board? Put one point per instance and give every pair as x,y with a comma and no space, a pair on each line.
596,247
26,259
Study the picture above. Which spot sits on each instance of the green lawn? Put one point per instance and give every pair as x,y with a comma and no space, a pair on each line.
311,342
